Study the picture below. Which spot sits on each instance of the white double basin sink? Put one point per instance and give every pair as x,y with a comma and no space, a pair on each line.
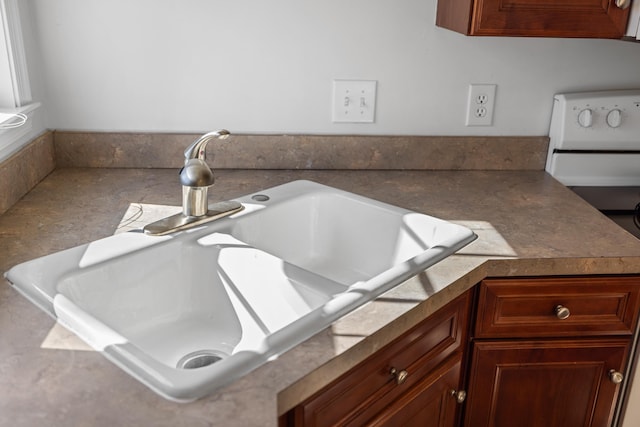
190,312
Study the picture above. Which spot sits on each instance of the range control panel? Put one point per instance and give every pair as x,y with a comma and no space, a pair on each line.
594,138
608,120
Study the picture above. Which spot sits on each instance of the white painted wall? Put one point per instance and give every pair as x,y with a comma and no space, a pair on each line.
259,66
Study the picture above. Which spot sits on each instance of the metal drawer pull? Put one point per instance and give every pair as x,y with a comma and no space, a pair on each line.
460,396
562,312
400,376
615,376
623,4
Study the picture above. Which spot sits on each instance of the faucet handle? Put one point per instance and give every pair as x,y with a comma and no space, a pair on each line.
197,149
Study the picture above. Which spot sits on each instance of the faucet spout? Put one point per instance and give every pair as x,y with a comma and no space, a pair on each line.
196,176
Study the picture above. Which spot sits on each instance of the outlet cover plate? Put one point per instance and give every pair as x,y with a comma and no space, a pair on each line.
354,101
480,104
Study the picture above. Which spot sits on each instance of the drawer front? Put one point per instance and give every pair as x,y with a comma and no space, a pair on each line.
565,306
370,387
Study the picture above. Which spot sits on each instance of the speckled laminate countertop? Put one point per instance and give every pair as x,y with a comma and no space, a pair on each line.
527,223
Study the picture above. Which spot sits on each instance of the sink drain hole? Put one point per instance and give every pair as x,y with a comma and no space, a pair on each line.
200,359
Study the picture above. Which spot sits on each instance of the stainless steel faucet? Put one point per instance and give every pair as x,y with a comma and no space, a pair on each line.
196,177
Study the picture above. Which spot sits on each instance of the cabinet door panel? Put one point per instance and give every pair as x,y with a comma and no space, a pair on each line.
429,403
572,18
544,383
369,388
538,18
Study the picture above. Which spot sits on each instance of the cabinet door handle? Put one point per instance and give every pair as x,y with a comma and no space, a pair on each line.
460,396
562,312
615,376
400,376
623,4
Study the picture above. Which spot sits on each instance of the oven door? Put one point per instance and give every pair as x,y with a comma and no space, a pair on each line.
621,204
574,168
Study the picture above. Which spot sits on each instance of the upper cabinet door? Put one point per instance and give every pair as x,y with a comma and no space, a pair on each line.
537,18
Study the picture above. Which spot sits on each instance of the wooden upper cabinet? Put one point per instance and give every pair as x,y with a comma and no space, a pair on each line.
536,18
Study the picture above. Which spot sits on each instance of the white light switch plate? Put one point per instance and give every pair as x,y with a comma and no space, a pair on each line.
354,101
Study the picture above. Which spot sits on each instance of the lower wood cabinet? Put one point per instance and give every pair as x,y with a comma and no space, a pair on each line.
550,352
431,402
547,352
544,383
414,380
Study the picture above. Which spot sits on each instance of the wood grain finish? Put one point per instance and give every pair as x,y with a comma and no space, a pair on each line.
544,383
370,394
529,365
430,402
526,307
537,18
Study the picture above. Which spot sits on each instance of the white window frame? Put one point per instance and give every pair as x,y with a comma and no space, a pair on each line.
13,56
15,90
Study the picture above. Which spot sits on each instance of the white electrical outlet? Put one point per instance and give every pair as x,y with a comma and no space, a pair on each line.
354,101
480,105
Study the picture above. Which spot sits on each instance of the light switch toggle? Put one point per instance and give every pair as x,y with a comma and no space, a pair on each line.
354,101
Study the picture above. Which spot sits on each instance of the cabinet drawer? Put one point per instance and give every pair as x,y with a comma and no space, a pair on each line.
368,388
564,306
